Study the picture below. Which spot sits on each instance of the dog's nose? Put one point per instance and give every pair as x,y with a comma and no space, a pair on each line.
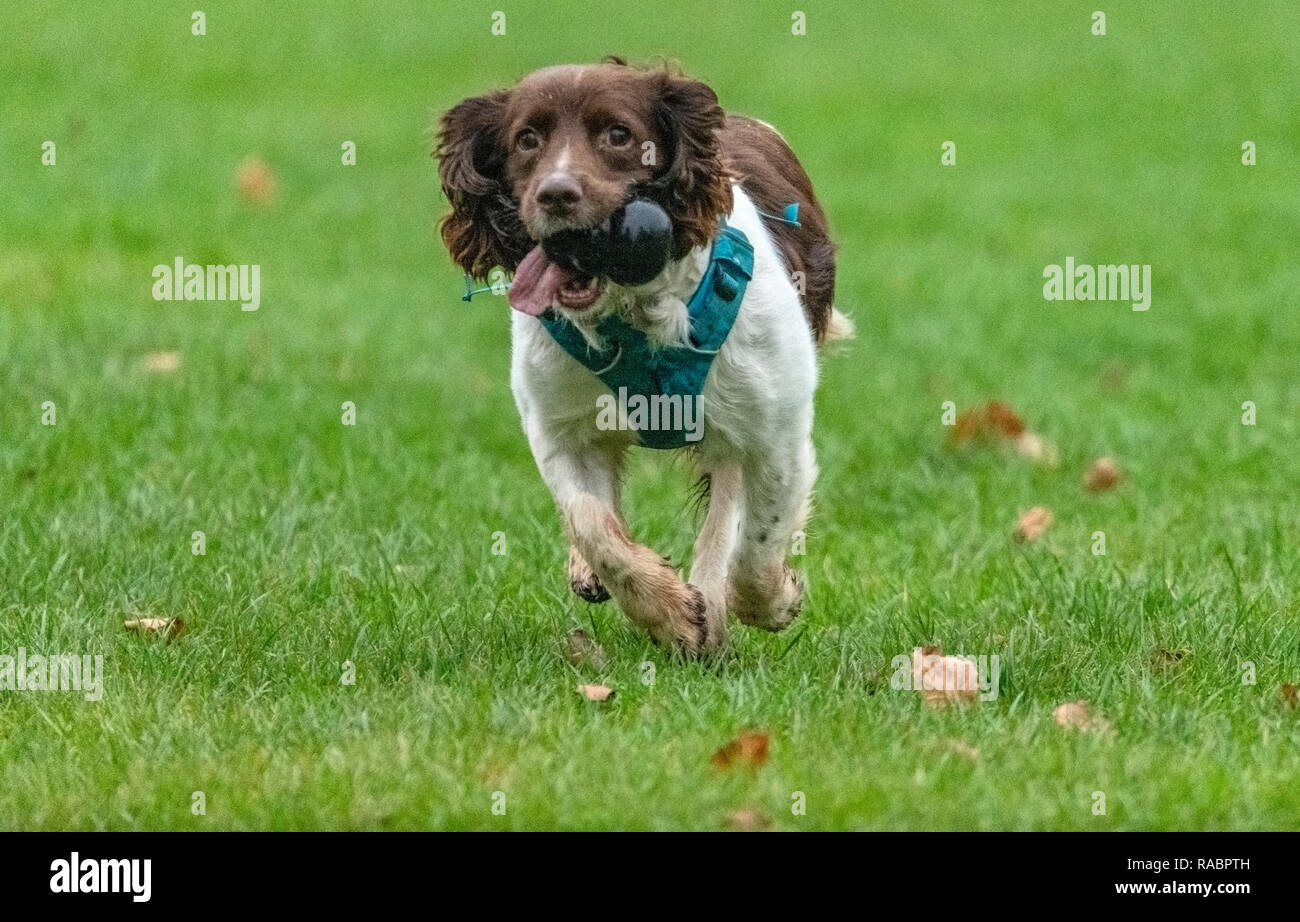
558,193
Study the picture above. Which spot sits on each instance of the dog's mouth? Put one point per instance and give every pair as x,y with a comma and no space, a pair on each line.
539,283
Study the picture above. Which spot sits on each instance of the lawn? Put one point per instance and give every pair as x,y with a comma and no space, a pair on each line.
373,544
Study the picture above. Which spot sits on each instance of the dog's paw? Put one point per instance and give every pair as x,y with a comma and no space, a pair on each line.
687,623
583,580
770,604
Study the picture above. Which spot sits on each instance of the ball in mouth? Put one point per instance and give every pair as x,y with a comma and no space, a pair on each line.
540,282
572,267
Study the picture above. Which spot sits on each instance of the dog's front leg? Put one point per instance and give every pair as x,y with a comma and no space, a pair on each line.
585,486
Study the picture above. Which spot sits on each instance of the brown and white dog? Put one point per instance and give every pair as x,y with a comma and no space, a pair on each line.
564,149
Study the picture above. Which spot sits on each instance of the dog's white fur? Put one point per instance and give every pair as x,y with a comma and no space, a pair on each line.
757,448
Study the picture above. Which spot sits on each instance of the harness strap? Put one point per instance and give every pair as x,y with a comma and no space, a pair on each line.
631,362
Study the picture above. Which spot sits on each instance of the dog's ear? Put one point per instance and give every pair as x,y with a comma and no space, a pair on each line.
483,229
695,187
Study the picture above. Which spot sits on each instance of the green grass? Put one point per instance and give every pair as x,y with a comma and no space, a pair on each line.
373,544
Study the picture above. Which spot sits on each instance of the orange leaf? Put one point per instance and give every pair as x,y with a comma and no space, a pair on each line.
169,627
596,692
1033,523
943,679
1003,420
1103,475
993,420
255,181
748,750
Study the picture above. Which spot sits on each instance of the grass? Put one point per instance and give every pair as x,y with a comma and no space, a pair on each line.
373,544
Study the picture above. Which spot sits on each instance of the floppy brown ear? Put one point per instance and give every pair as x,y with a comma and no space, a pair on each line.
483,229
695,188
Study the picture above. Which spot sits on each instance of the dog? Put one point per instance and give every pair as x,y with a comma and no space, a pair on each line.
564,150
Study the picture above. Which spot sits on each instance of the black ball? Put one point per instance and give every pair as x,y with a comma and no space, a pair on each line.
583,251
641,237
630,248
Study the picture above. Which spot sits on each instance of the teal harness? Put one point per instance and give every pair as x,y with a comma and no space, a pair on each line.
631,362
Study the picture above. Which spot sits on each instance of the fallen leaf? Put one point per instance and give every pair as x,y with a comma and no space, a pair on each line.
580,649
596,692
748,819
1078,715
748,750
255,181
160,362
1033,523
944,679
1165,658
169,627
1003,420
1103,475
1291,695
1033,446
993,419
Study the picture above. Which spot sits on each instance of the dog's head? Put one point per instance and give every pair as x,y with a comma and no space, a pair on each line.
564,149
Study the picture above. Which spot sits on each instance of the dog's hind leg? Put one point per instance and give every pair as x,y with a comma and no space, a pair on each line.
716,544
764,592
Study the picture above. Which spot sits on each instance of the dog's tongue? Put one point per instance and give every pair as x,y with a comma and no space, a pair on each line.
536,281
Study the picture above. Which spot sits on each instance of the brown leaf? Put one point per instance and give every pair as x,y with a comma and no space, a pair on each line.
1103,475
748,750
255,181
993,420
160,363
580,649
1003,420
1166,658
157,627
748,819
1078,715
1033,523
596,692
944,679
1291,695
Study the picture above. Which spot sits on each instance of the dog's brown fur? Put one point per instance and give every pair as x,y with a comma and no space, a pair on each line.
492,181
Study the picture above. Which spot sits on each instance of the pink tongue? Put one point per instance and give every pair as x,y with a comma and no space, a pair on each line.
536,281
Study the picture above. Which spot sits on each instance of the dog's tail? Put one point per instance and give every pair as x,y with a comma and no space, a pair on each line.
838,328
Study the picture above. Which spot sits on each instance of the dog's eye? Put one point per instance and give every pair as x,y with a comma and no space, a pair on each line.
619,136
528,139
